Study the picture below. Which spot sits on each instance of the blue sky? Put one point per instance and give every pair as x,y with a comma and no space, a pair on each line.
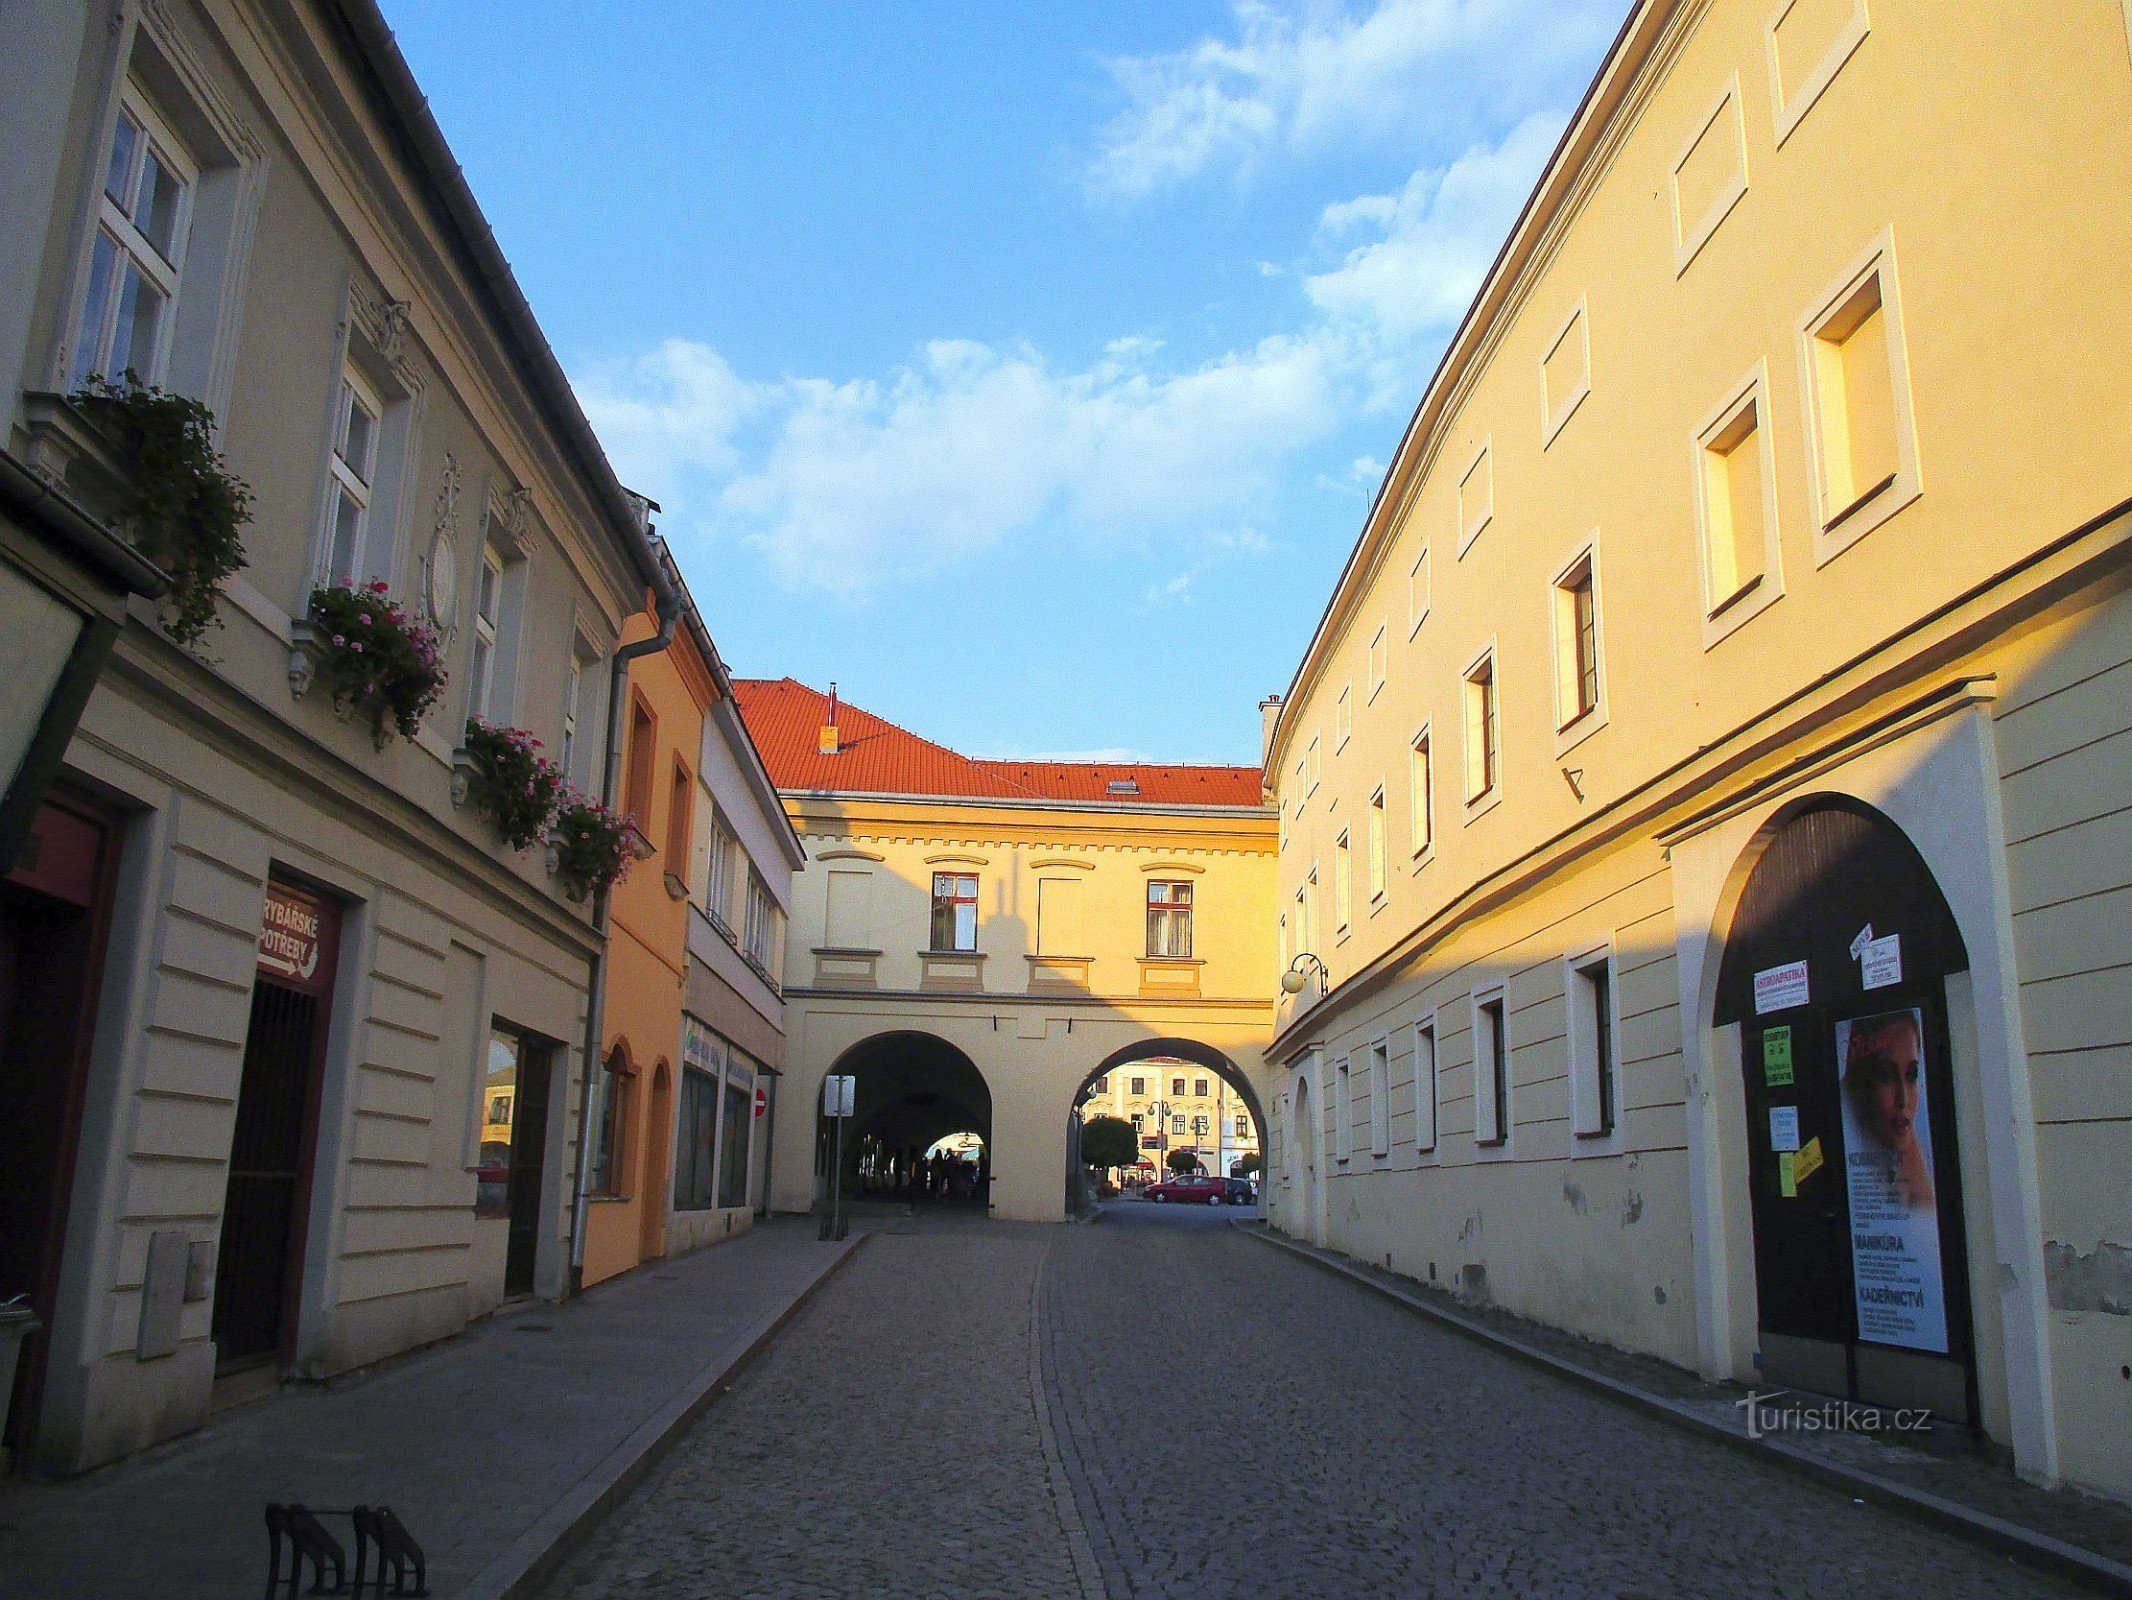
1025,369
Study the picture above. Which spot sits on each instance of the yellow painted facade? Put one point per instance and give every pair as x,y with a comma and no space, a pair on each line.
1060,980
1177,1105
1779,463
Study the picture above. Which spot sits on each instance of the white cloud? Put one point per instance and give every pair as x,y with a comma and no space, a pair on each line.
849,486
1293,80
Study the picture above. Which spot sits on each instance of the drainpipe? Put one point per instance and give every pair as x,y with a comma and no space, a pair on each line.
667,607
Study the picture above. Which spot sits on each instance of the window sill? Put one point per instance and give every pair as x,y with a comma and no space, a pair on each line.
1423,856
1580,728
1378,902
1859,504
1414,626
1734,598
1481,804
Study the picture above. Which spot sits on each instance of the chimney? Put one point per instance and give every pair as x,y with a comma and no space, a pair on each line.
827,743
1269,712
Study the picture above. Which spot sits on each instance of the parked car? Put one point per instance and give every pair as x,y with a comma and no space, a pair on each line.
1239,1191
1198,1188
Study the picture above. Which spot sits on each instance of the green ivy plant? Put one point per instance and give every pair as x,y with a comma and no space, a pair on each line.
182,507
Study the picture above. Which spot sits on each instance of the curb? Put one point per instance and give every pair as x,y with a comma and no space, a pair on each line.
1996,1534
535,1556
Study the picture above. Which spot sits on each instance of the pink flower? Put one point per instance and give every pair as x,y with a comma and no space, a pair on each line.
339,639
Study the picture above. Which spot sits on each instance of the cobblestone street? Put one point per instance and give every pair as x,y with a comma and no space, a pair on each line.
1179,1425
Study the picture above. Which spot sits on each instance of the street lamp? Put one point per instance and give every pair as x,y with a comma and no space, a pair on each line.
1296,976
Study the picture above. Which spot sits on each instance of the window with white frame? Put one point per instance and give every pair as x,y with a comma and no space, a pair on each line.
1177,1123
954,911
1379,871
1736,509
1343,717
1425,1085
351,474
758,939
1865,447
1576,623
1421,794
488,616
1201,1127
1169,919
1491,1070
1377,659
1343,885
1243,1125
1594,1089
1380,1097
1343,1111
1483,753
583,658
1418,591
137,259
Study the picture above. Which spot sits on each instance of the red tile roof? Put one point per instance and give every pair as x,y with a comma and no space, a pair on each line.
785,719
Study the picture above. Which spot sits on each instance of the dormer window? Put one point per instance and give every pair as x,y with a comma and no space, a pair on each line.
1124,786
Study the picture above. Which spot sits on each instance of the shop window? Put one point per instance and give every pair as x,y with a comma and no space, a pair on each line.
733,1142
695,1133
954,911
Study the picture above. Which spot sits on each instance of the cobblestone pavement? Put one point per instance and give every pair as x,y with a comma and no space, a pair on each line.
1212,1418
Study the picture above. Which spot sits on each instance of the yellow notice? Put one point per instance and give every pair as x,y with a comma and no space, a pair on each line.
1787,1173
1808,1160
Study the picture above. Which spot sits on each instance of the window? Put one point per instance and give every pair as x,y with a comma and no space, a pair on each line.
1317,769
1200,1127
1199,1088
1421,794
573,694
1482,752
138,255
508,1057
1343,717
1177,1122
643,749
488,611
1380,1098
1476,498
759,937
1593,1090
351,469
1302,925
608,1153
1709,177
1378,867
718,888
680,795
1169,919
1302,783
1100,1086
1865,455
1137,1086
1565,375
1809,41
1418,592
1343,885
954,911
1177,1088
1243,1126
733,1139
1736,510
1343,1111
1139,1122
1491,1072
696,1131
1576,642
1377,652
1425,1085
1311,906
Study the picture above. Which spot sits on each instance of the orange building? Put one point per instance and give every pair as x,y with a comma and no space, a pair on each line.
667,698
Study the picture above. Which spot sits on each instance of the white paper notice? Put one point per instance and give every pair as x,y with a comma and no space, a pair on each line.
1783,1127
1880,962
1780,988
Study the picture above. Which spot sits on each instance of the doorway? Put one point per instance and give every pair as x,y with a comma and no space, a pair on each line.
54,921
528,1068
1836,971
266,1206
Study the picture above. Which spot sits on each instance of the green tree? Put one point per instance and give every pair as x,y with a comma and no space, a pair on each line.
1251,1165
1182,1162
1109,1142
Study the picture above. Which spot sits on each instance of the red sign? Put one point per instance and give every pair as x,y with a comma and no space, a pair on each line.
296,937
762,1100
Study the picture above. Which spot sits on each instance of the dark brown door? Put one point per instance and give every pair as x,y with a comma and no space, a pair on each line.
54,915
266,1206
529,1154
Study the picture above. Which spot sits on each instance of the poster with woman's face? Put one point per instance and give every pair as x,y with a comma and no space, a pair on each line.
1887,1142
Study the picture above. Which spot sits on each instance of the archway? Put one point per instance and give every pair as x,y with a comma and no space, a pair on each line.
1302,1156
912,1091
658,1165
1835,968
1191,1096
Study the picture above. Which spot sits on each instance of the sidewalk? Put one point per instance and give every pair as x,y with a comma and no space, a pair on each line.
498,1449
1946,1480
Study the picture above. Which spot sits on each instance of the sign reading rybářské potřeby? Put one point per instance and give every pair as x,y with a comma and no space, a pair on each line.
291,936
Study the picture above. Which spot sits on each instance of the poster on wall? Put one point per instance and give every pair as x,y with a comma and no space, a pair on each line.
1887,1141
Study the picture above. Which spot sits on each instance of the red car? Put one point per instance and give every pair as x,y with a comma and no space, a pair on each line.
1198,1188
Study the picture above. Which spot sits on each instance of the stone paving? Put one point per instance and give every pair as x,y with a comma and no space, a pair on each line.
1206,1416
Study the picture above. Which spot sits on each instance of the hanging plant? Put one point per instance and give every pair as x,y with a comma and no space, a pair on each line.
182,507
375,657
510,781
589,846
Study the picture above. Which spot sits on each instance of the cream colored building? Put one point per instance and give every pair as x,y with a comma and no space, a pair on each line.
1736,658
1173,1105
975,941
308,1090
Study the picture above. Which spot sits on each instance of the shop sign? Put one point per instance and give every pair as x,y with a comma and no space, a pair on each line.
699,1046
1887,1137
292,935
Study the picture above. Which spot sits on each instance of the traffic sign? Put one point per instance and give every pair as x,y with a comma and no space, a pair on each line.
839,1090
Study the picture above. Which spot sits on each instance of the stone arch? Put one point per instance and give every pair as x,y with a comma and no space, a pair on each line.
655,1168
912,1089
1165,1048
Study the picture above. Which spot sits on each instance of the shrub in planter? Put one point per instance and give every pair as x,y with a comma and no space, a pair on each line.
374,655
589,846
181,505
510,781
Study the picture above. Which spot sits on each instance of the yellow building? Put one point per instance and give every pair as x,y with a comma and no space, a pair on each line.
1174,1105
1705,793
974,941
